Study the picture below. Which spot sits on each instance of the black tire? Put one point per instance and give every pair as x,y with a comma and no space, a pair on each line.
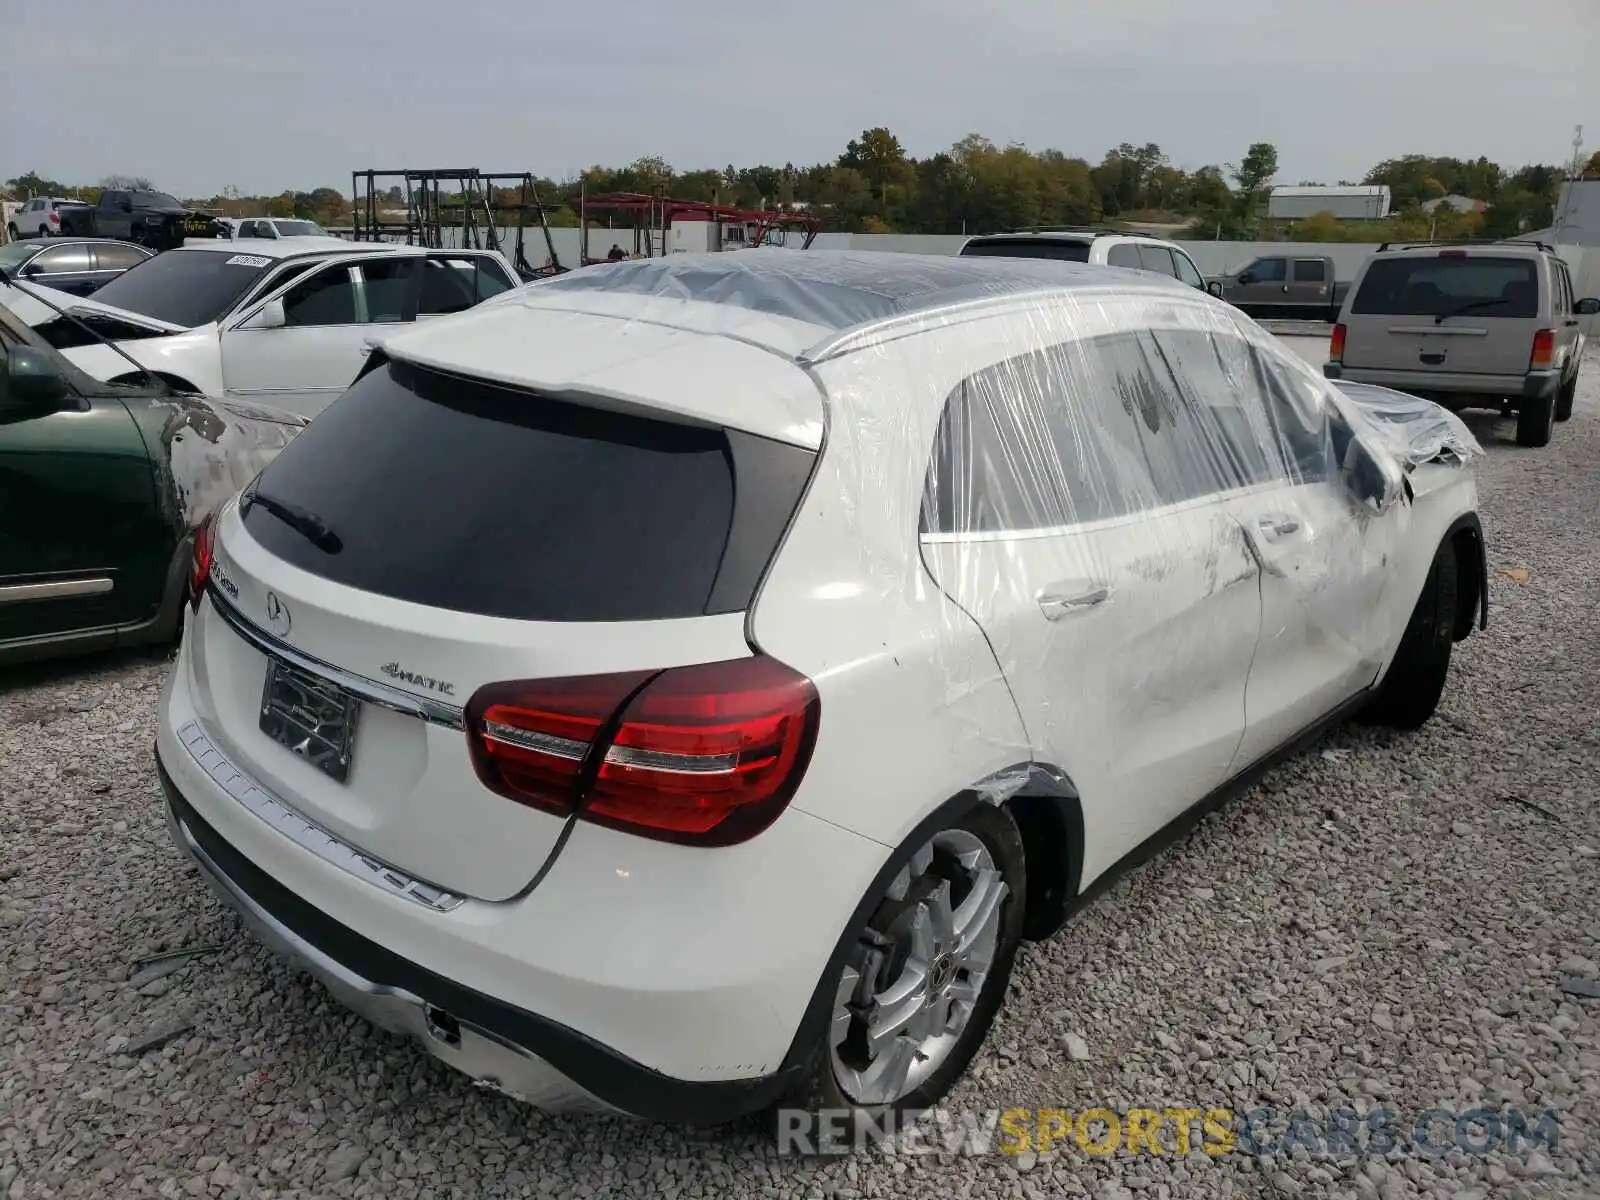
1565,397
1410,691
1536,418
12,233
823,1090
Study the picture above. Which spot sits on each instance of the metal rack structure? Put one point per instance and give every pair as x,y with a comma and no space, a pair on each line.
465,204
649,218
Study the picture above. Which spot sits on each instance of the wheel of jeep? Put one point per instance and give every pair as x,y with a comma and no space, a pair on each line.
11,233
1565,397
1536,421
927,975
1410,691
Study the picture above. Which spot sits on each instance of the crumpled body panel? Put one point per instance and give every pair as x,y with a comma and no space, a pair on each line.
206,450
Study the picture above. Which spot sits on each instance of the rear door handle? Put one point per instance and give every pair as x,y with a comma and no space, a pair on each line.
1276,528
1058,604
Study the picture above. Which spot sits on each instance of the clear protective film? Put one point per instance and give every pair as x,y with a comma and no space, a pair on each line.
1136,495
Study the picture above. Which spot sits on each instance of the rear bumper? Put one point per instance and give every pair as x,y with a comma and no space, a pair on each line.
500,1046
1533,384
623,981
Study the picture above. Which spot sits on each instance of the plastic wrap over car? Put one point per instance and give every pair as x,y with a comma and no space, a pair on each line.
206,450
1004,441
1414,430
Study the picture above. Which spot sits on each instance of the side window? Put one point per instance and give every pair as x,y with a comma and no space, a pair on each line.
386,284
61,259
327,297
1187,271
491,278
1022,446
1151,416
1226,411
1310,270
1268,270
1563,290
1297,412
449,285
1157,259
117,256
1125,254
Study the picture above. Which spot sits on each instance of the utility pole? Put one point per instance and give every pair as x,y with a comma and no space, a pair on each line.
1570,186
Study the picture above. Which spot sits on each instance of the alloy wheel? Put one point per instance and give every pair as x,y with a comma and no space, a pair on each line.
903,1006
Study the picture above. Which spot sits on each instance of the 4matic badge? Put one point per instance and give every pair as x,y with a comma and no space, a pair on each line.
439,686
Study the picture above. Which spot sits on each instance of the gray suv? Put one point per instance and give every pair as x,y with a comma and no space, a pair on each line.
1477,325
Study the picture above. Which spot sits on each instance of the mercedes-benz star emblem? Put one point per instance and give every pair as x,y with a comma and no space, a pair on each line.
277,615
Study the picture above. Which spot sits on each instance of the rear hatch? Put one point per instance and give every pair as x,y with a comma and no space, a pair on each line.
1455,312
428,535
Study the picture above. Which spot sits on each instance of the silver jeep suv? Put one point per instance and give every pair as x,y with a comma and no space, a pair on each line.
1470,325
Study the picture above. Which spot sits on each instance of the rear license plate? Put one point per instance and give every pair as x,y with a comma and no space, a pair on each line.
310,716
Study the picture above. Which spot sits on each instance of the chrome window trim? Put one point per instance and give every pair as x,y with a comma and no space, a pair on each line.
309,836
58,589
370,690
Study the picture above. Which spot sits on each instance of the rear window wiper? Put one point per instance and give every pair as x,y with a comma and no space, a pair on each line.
302,520
1466,308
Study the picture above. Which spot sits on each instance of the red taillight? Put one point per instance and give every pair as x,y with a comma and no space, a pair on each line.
707,755
1544,349
1336,343
531,741
200,564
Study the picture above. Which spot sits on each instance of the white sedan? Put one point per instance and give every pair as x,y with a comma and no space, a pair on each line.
285,323
680,686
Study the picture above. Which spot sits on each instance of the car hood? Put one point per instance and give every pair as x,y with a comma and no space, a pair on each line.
206,450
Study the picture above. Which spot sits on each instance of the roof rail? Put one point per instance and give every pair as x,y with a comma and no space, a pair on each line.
1101,230
1548,249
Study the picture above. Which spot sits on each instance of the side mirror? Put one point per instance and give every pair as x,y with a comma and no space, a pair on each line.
271,316
1215,288
30,385
1589,306
1246,278
127,206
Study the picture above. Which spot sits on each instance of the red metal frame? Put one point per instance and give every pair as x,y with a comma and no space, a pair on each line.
659,212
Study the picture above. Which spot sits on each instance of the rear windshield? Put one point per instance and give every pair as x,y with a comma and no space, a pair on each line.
186,287
1479,285
1062,251
482,499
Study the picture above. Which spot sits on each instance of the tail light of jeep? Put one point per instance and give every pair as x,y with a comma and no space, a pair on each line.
1336,343
705,755
1544,349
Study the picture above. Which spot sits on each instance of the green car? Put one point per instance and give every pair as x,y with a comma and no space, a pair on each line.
101,489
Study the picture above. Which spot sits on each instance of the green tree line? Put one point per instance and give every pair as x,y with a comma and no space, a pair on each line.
976,185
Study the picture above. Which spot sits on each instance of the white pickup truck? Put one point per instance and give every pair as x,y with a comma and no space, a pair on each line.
284,323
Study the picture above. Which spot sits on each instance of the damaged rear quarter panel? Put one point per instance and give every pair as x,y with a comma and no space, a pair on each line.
204,451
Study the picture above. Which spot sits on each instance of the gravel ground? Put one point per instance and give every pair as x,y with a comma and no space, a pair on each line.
1387,920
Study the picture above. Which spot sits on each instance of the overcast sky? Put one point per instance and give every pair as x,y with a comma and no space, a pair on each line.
199,94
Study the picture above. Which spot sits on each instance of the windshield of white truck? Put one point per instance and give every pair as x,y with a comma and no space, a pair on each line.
185,287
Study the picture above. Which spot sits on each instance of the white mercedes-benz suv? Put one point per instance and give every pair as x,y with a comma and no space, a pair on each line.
678,687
